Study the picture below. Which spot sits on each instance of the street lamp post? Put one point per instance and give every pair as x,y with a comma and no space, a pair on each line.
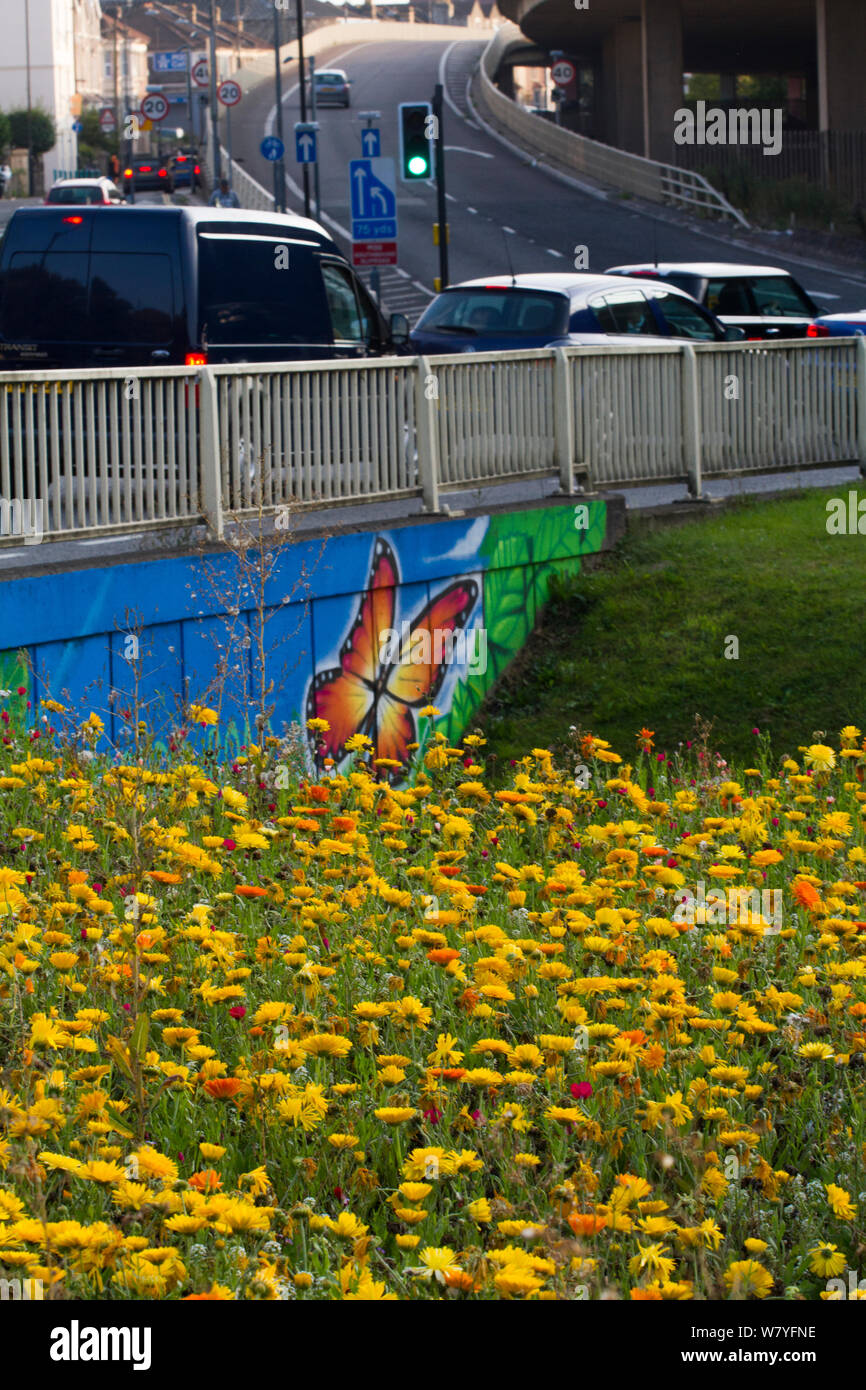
299,10
214,116
279,164
29,103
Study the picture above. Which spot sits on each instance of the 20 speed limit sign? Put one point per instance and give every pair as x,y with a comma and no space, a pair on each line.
201,73
229,92
154,107
563,72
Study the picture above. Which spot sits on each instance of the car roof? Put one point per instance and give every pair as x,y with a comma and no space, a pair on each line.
81,183
561,281
225,216
708,268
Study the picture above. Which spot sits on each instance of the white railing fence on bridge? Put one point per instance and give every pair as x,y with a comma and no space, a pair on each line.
118,449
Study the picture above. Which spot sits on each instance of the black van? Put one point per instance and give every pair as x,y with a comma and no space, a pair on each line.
145,286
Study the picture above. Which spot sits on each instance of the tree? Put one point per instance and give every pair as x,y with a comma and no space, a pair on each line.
5,132
41,130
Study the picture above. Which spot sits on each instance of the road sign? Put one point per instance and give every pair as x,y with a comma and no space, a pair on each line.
373,186
305,142
563,72
374,253
154,107
229,92
201,73
77,127
371,143
170,62
107,121
272,148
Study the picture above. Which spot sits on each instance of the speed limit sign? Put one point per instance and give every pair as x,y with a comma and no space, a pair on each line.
201,73
563,72
154,107
229,92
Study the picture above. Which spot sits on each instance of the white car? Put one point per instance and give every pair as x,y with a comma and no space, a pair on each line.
75,192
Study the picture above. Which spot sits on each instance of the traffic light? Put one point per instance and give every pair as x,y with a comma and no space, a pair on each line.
416,148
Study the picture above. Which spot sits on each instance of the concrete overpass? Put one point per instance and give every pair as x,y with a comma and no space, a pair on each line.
638,51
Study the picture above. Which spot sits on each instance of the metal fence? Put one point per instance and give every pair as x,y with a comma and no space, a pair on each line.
115,450
833,159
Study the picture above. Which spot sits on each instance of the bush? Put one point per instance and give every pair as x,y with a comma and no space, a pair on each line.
41,129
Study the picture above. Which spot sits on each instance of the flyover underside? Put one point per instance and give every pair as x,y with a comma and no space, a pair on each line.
639,50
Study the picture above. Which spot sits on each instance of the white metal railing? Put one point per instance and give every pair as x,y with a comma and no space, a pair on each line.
122,449
645,178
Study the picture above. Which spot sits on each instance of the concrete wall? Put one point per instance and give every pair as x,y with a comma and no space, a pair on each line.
489,574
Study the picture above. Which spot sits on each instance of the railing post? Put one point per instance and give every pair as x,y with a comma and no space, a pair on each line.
691,422
563,420
210,471
861,403
427,434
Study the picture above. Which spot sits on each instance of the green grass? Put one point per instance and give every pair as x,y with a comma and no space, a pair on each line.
640,640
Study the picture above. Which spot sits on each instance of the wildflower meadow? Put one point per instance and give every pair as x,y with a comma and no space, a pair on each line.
411,1034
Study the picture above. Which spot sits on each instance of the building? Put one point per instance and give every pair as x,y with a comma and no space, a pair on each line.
38,58
124,58
87,42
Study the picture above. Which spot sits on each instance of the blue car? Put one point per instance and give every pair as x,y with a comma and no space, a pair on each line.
838,325
504,312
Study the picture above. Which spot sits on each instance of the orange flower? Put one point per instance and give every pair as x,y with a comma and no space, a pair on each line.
805,894
222,1087
477,890
645,740
653,1057
162,876
468,999
646,1296
249,890
320,793
635,1035
207,1180
448,1073
344,823
587,1223
460,1279
443,955
448,870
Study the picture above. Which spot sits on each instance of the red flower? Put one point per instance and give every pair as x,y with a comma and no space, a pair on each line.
229,844
581,1090
238,1011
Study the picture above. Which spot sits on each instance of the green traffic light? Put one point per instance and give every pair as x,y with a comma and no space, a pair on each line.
417,165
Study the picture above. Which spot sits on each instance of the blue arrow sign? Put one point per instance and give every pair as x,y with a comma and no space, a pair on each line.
373,188
272,148
305,146
77,127
371,143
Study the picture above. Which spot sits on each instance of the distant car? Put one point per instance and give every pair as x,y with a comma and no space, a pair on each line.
838,325
184,169
148,171
78,192
553,309
332,87
761,299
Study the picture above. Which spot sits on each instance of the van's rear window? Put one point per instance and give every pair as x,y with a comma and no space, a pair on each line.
73,297
256,290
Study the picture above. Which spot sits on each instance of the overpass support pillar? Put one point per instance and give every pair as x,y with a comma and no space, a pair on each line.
622,98
662,66
841,43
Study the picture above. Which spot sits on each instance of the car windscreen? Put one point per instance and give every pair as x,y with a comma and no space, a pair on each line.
71,297
329,79
778,296
509,312
624,312
260,289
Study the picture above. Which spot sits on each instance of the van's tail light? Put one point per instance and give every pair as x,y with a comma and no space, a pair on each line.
817,330
163,173
195,359
197,169
76,221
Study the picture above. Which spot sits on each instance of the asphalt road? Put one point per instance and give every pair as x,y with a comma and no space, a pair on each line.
501,210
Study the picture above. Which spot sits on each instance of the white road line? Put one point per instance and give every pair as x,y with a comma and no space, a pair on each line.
510,231
450,197
823,294
423,288
473,210
463,149
554,253
443,64
398,271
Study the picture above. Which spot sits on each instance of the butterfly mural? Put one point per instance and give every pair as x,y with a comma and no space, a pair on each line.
379,683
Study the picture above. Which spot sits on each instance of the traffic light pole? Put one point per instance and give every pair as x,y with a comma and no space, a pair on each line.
279,164
441,209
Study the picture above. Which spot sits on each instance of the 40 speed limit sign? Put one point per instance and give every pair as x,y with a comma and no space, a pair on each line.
154,107
229,92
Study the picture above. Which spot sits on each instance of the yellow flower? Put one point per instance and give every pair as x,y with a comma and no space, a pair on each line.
395,1115
840,1202
748,1278
200,714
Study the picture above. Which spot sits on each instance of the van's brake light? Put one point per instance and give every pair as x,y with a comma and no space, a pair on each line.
195,359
